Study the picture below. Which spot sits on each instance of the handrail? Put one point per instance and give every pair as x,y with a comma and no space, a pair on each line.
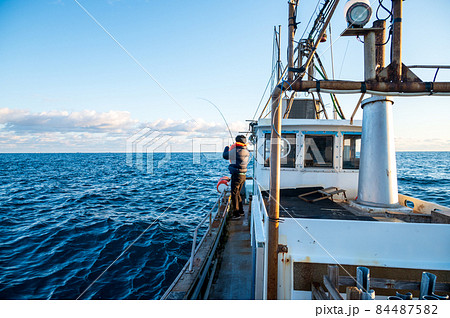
263,206
259,216
429,66
194,242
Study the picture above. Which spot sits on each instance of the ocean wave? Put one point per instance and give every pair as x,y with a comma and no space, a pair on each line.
71,220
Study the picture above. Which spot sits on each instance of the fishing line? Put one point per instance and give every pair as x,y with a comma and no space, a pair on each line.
343,59
207,100
135,60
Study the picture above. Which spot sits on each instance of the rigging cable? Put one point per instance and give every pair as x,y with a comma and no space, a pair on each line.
270,97
332,98
278,106
264,94
335,111
331,49
343,59
310,19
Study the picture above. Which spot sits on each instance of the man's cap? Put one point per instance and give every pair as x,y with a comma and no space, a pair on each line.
241,138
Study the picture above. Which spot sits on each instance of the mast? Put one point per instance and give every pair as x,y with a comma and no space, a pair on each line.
396,61
274,207
275,141
278,39
380,39
291,33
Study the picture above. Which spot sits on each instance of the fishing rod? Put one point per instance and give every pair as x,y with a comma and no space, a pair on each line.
207,100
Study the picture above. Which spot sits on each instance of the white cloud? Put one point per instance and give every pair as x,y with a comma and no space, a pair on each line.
64,121
415,144
91,131
197,128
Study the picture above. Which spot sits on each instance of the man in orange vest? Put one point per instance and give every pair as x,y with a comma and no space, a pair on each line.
238,155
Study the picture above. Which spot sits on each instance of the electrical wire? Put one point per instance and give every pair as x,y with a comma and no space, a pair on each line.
389,36
380,5
391,16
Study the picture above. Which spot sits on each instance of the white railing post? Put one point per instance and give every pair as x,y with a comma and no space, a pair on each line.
210,222
194,243
191,261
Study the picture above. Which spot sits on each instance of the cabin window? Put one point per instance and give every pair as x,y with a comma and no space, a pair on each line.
352,150
287,152
318,151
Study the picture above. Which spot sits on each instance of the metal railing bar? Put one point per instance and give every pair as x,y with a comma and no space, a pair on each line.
259,217
194,241
429,66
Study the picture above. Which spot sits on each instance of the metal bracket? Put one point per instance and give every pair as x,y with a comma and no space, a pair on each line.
407,75
282,248
297,69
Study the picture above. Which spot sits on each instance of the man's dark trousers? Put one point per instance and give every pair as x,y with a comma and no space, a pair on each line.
237,181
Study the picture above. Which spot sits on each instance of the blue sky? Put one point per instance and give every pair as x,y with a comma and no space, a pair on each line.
67,86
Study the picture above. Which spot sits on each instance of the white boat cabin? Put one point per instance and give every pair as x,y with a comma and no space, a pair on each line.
316,233
314,153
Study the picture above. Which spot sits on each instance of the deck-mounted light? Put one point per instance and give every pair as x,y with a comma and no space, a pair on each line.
357,13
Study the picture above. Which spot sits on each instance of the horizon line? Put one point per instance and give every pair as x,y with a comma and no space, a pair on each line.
196,152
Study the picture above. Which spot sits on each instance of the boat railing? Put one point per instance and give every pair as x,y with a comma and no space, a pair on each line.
210,218
259,228
420,206
259,216
191,279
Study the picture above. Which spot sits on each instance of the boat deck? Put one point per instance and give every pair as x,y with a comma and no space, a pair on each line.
234,276
294,207
291,206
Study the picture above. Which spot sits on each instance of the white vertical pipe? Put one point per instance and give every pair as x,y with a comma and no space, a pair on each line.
370,62
377,170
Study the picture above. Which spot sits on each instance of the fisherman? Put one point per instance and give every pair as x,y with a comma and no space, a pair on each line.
238,156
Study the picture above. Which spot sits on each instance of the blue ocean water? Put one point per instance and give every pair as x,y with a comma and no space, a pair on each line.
66,218
424,175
